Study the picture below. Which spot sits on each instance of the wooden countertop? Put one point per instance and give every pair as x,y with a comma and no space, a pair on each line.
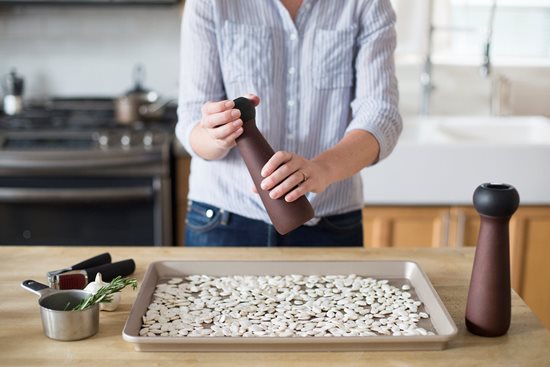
22,342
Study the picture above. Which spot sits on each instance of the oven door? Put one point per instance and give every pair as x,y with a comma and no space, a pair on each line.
79,211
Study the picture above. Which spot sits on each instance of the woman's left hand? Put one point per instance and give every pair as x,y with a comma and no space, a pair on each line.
290,176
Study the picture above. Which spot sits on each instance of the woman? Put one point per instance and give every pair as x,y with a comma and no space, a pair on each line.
325,73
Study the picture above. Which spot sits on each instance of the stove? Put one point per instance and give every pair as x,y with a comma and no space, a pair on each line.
71,175
81,125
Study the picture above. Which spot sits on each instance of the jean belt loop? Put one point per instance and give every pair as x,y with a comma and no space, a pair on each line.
225,217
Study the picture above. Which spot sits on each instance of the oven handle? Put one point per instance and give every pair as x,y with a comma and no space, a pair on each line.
103,162
41,195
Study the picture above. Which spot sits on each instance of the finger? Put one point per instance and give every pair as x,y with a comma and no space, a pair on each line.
274,162
280,174
224,131
217,119
297,193
287,185
254,189
254,98
215,107
230,142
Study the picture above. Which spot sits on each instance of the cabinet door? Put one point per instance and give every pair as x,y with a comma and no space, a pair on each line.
183,164
464,226
405,226
530,254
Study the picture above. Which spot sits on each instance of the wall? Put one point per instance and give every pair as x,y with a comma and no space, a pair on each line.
91,50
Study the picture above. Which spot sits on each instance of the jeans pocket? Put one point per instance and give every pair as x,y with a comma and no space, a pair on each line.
202,217
343,222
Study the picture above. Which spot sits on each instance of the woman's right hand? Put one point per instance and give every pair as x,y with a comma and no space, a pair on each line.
220,125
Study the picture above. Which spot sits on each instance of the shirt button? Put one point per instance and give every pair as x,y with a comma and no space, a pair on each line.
291,70
290,103
290,136
293,37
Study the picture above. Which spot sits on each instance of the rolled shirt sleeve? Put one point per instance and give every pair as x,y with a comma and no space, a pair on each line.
375,106
200,74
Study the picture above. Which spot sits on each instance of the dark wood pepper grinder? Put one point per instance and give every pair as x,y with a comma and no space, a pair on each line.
256,151
488,310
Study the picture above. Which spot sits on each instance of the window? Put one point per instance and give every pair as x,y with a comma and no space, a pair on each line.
520,32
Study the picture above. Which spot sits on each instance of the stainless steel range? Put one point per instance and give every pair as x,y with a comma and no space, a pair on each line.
70,175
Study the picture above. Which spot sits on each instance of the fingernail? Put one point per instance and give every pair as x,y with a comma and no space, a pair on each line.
235,113
272,195
239,122
229,104
263,185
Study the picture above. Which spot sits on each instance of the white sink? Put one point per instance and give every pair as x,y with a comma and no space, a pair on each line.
441,160
486,130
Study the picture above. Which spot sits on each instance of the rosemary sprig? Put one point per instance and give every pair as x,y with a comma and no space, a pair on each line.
104,294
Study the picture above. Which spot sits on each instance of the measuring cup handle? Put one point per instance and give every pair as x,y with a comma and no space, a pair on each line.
35,287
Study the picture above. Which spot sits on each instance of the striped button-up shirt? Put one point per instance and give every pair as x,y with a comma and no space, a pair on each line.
327,72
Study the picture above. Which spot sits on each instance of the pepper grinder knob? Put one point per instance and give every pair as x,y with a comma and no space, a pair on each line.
488,309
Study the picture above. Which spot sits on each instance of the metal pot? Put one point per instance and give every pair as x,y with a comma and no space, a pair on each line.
154,111
59,324
13,93
130,107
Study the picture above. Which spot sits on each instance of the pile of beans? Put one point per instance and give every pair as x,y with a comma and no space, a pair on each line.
282,306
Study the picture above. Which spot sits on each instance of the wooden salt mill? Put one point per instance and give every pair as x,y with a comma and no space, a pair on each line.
256,151
488,310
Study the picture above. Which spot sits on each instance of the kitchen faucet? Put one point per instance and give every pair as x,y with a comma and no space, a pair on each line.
485,69
426,79
426,83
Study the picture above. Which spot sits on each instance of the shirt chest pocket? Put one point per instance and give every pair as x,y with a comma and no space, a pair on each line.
247,53
333,58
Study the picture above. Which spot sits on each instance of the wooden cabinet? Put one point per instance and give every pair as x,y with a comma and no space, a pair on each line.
463,226
183,168
405,226
530,258
457,226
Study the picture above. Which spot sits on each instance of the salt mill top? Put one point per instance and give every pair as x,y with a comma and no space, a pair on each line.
248,112
496,200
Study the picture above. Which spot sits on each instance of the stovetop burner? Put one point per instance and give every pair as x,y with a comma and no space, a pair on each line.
79,114
80,124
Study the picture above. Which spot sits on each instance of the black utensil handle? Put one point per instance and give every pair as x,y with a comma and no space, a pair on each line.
111,271
34,286
104,258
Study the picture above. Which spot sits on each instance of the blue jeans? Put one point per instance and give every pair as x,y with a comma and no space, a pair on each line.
207,225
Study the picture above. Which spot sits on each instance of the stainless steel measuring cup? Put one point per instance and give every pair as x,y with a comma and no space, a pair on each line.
58,323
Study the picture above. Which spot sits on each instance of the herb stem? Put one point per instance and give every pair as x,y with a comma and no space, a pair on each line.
104,294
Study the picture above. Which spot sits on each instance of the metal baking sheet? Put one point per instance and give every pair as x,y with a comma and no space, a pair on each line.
397,272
